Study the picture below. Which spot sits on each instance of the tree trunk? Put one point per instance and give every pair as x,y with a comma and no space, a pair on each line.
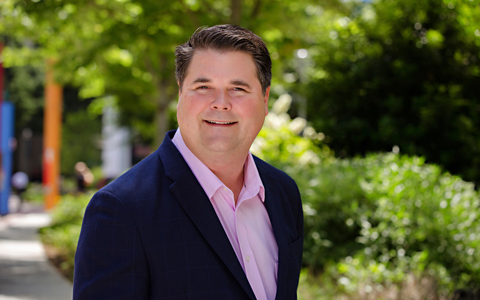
161,114
161,97
236,7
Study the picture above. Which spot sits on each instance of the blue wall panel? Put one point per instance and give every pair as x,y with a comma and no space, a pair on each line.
7,136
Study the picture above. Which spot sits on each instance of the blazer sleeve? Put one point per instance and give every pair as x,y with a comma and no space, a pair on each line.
299,223
110,261
295,248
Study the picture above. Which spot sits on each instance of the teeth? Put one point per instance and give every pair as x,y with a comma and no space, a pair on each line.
220,123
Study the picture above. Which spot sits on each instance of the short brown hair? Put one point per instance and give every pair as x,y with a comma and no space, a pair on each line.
225,38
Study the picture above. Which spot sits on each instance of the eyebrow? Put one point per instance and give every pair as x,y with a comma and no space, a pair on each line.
234,82
240,82
201,80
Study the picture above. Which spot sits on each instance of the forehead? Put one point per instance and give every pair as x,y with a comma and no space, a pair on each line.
213,56
212,62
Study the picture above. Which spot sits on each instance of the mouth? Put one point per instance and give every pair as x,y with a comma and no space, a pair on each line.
220,123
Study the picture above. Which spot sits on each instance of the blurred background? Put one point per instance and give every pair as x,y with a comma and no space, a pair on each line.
375,112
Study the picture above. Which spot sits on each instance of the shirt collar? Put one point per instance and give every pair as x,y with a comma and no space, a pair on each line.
251,180
209,181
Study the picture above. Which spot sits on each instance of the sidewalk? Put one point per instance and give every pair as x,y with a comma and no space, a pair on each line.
25,273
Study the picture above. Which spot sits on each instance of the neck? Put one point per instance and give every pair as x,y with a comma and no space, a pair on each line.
230,170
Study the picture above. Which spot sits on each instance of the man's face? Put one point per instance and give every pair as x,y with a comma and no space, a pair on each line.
221,106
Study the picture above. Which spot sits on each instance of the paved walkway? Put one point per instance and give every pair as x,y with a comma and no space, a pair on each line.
25,273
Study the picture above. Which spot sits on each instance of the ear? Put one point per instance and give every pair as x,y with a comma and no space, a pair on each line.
265,100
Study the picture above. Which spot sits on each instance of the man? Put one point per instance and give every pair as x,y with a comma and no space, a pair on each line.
20,182
200,218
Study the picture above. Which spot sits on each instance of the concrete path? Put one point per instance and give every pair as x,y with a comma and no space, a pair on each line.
25,273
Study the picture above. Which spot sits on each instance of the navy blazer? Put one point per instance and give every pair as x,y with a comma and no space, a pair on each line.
153,234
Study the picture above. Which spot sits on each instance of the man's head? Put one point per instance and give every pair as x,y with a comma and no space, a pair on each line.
224,77
224,38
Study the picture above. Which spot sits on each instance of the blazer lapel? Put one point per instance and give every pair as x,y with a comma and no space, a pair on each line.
274,210
196,204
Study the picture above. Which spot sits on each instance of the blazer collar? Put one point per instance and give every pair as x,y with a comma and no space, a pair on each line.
198,207
273,204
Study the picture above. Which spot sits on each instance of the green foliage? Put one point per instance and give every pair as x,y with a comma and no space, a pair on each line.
378,220
313,287
414,219
34,193
24,86
80,141
125,48
423,214
64,231
70,209
400,73
97,176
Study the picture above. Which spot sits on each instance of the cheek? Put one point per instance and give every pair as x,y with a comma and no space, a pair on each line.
183,113
259,111
189,108
180,109
255,116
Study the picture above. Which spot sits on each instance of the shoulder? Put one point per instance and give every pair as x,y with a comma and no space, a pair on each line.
265,168
142,189
150,175
139,176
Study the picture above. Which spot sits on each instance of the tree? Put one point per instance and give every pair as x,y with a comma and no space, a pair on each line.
400,73
125,48
24,86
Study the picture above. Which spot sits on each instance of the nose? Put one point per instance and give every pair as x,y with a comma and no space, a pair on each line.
221,102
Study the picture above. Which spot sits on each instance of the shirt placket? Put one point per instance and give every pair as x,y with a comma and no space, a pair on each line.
249,262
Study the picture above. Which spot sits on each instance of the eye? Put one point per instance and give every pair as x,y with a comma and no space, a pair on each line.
238,89
203,87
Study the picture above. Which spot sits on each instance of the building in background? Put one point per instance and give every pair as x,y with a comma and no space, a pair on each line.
116,146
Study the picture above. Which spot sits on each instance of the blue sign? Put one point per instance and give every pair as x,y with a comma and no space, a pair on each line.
7,140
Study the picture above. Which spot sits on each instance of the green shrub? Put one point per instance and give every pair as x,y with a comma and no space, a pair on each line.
34,193
373,222
423,221
62,234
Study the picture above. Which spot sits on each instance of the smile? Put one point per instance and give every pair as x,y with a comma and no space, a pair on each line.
220,123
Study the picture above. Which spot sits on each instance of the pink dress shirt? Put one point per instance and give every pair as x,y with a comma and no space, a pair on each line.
246,224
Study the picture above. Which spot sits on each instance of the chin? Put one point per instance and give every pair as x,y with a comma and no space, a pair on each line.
220,148
215,145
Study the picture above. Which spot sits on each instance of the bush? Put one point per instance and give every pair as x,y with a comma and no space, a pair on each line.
423,221
34,193
61,237
374,222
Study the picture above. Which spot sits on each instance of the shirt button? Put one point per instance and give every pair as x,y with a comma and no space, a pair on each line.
225,189
248,258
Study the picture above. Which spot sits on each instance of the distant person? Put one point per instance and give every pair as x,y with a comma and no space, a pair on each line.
83,176
20,182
